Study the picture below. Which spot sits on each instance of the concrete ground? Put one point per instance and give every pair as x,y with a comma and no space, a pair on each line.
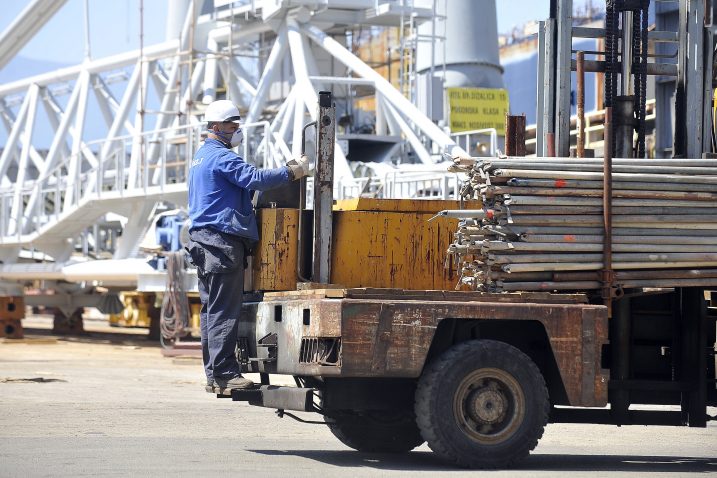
110,404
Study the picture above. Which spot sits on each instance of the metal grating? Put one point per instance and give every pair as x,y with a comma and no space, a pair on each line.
320,351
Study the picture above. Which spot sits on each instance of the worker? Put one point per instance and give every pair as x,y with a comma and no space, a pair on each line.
223,233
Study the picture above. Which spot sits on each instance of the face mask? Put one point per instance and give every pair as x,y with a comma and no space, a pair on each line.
235,139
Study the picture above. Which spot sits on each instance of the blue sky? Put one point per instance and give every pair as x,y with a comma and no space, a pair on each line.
114,26
516,12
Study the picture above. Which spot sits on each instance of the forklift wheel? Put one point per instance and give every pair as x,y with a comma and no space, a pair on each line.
482,404
377,432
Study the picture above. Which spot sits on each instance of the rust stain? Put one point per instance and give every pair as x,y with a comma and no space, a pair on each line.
402,347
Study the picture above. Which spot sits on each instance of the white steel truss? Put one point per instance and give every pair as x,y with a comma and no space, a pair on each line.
150,104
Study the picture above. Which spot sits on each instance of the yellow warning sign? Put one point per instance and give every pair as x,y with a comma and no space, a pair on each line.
477,108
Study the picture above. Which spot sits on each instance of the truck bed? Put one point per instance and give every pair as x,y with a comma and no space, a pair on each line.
382,333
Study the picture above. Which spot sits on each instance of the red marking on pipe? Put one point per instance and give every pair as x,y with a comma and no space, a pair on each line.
560,183
569,238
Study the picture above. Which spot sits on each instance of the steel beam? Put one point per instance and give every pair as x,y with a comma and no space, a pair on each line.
390,93
29,124
30,21
546,69
8,151
75,167
271,68
694,78
598,66
324,187
122,60
564,25
413,140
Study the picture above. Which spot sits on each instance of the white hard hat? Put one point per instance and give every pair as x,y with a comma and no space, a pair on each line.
222,111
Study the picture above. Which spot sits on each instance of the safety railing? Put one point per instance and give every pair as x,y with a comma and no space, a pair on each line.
474,141
124,167
399,184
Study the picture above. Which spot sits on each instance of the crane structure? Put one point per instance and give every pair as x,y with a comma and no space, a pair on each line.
121,129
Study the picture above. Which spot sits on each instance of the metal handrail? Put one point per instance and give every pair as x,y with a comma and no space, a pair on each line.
466,136
55,185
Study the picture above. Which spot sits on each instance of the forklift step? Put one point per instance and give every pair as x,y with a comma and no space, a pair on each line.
271,396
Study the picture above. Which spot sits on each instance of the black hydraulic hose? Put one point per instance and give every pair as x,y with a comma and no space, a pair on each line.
637,75
611,57
174,316
643,81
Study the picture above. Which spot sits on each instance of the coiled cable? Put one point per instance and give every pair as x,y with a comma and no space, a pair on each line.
174,318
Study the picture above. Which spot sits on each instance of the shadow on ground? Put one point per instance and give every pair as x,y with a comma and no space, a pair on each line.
427,461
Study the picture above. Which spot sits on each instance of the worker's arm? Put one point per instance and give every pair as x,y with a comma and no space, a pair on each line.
244,175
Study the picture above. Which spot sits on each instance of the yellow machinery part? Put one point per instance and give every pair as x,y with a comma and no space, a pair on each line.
376,243
136,310
137,307
194,306
391,249
275,257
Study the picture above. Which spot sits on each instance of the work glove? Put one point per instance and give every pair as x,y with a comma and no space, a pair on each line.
299,167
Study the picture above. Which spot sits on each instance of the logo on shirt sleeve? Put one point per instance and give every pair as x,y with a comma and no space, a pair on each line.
196,162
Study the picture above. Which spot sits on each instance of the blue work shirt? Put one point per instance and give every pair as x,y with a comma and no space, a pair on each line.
221,184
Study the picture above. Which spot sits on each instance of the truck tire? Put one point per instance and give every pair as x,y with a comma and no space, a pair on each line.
377,432
482,404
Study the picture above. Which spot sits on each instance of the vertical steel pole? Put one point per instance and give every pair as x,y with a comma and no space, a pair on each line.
562,80
707,92
626,56
540,128
324,187
621,340
607,213
87,30
547,82
694,79
515,135
693,356
580,149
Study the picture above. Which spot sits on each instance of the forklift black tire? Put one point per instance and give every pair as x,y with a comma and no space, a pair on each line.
377,432
482,404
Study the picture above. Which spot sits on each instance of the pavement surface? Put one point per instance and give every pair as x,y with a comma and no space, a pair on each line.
109,404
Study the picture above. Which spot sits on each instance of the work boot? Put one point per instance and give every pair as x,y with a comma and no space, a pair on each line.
235,383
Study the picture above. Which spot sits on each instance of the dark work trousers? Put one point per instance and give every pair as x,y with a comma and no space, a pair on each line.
220,269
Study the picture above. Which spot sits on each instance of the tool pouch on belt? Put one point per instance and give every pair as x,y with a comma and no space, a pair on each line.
216,252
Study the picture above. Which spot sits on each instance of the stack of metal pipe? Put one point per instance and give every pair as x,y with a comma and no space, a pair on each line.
541,226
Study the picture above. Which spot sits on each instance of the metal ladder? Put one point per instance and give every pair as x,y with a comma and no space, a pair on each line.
408,41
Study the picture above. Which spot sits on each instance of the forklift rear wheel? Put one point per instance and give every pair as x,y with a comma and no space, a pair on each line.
482,404
377,432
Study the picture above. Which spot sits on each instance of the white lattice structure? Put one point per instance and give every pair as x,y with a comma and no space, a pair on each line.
150,102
